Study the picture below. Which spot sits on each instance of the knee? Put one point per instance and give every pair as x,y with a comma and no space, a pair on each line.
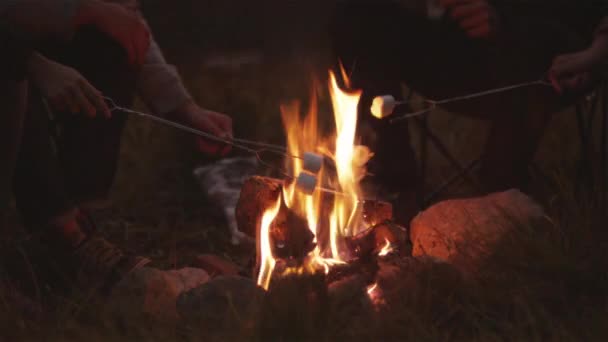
100,59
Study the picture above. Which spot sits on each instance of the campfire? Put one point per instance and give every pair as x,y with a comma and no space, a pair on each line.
317,222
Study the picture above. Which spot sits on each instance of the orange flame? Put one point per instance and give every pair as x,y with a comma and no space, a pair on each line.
344,219
267,261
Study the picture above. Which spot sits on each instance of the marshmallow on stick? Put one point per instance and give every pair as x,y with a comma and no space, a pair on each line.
312,162
306,183
383,106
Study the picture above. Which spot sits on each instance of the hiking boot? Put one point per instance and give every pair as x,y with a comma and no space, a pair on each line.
99,264
92,265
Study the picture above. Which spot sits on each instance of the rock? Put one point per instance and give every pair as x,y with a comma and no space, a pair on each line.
295,308
464,231
222,306
154,292
217,266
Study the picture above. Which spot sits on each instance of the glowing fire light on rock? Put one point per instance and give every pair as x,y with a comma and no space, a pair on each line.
375,295
373,292
372,288
387,249
344,217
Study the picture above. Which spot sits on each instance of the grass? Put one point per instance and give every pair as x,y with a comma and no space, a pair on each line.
541,284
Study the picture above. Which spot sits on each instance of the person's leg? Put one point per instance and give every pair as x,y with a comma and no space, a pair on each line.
13,96
12,101
381,44
89,148
52,182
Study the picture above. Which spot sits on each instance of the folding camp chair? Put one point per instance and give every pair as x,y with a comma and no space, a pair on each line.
594,142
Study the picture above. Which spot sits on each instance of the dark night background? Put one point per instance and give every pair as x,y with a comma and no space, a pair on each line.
244,58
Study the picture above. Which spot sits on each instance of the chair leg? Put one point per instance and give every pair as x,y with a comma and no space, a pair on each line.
463,172
424,157
432,196
585,173
603,146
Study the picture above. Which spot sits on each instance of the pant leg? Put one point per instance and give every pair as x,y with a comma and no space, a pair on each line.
13,95
40,190
89,148
84,163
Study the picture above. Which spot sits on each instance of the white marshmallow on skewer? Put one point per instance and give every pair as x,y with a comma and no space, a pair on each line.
383,106
312,162
306,183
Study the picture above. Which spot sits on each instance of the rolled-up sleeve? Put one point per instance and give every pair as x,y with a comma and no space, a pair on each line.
159,84
36,18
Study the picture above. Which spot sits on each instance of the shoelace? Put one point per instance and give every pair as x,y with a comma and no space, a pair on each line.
99,256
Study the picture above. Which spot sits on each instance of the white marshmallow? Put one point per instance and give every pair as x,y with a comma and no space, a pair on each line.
383,106
306,183
434,10
312,162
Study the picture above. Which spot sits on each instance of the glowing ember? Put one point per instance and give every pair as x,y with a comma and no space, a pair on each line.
387,249
371,289
344,217
375,295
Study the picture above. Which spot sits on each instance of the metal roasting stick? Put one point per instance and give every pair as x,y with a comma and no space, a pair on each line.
281,150
266,146
433,103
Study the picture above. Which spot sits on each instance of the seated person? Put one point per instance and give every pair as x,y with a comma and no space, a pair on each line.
476,45
54,188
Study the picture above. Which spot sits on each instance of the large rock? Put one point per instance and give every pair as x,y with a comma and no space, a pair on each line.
226,306
464,231
152,292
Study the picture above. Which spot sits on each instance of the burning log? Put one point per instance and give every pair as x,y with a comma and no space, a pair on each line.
288,231
290,236
259,193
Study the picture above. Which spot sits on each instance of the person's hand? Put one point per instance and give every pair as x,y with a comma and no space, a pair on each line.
207,121
577,72
65,88
121,23
570,72
476,17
